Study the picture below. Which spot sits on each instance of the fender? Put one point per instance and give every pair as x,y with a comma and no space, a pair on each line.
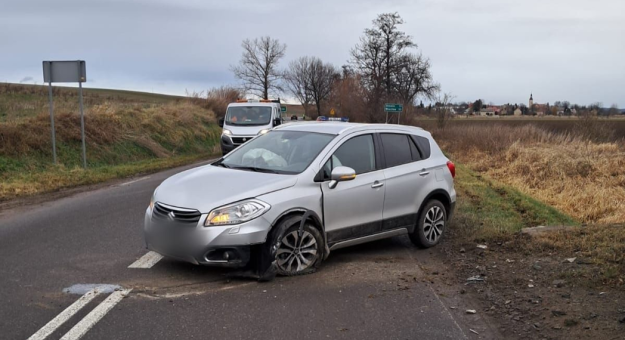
307,214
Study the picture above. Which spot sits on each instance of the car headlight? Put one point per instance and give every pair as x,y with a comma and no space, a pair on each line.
226,132
236,213
263,131
152,200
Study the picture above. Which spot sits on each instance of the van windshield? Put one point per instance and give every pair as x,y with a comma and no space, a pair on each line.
248,115
282,152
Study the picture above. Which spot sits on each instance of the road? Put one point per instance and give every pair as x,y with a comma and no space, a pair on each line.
372,291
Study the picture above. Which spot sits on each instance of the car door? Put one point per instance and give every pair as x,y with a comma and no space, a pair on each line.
354,208
405,178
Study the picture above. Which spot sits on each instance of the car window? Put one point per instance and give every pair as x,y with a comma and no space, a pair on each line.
357,153
396,149
423,144
287,152
248,115
416,155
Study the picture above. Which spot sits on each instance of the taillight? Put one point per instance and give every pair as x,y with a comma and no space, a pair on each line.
452,168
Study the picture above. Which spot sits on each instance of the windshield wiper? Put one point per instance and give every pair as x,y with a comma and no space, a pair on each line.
221,163
256,169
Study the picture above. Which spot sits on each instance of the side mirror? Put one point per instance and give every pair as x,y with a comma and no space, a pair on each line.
341,174
221,122
277,121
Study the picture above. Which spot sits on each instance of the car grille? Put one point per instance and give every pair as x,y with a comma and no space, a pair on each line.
240,140
166,213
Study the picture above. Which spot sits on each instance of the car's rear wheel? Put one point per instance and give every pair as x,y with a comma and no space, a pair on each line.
297,252
430,225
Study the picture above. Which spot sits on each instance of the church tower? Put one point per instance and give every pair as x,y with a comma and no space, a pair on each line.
531,101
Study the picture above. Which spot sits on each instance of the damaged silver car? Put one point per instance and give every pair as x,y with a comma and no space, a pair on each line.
283,201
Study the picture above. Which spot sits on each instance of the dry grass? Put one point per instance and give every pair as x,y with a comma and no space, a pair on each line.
571,172
122,139
216,99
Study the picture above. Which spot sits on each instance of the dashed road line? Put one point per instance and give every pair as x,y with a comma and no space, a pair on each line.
147,261
134,181
65,315
82,327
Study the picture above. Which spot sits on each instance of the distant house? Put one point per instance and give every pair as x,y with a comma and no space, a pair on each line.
518,111
489,111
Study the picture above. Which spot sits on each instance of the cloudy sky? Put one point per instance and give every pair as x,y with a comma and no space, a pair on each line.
497,50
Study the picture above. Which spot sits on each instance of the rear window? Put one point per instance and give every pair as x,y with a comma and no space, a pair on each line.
396,149
423,144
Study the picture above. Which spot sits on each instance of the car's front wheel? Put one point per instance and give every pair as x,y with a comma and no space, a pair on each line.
297,252
430,225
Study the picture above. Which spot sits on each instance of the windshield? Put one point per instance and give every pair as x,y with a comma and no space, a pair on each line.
285,152
248,115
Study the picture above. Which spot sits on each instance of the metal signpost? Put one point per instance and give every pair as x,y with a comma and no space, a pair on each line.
66,72
398,108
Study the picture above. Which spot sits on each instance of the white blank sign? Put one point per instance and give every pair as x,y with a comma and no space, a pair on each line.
73,71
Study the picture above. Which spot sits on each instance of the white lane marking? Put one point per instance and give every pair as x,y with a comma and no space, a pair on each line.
147,260
134,181
82,327
65,315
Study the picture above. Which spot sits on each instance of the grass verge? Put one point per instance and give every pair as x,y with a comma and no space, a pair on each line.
494,213
59,177
489,211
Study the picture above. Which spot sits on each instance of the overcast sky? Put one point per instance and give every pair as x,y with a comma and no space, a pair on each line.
497,50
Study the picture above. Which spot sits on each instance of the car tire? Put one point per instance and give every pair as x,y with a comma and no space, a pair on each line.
294,253
430,225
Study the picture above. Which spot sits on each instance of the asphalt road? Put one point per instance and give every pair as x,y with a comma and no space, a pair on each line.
372,291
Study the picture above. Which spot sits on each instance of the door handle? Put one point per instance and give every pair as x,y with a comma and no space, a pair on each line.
424,173
377,184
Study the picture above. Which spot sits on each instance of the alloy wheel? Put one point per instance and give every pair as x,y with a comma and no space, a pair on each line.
433,224
297,253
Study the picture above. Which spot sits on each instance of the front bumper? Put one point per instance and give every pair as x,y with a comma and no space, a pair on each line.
227,246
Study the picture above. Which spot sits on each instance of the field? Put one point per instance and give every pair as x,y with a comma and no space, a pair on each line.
614,126
126,133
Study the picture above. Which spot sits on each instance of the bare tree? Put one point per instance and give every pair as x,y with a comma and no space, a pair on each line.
387,70
297,79
613,111
322,77
443,111
258,66
414,79
379,55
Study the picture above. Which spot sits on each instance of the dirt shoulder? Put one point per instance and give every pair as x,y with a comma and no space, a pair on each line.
565,283
532,295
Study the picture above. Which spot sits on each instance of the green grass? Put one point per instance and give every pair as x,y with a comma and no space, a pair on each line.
489,211
55,178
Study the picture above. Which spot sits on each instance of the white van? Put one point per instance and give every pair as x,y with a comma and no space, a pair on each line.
247,119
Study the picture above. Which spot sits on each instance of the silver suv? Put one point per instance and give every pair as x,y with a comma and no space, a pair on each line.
283,201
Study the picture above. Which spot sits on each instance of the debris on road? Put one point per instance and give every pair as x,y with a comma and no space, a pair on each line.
471,311
474,279
473,331
482,246
570,259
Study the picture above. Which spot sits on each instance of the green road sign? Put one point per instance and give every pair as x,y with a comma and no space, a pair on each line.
282,108
393,107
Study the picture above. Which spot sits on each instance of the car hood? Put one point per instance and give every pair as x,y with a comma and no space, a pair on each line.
208,187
